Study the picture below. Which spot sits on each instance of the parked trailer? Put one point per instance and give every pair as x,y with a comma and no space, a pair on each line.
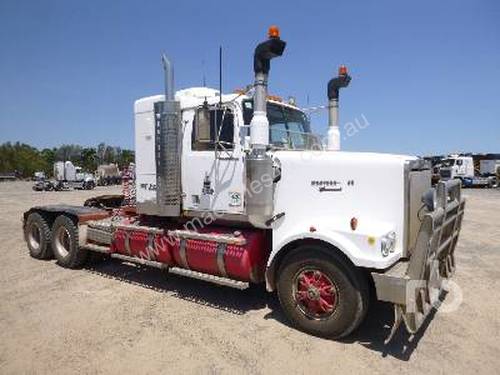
322,228
488,167
108,174
8,176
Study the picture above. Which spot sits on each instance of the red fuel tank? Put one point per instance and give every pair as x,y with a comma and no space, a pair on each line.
144,244
239,255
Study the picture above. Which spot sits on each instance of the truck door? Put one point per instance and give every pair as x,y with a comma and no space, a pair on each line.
460,168
212,161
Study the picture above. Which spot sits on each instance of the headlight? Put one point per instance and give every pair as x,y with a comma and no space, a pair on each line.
388,244
429,199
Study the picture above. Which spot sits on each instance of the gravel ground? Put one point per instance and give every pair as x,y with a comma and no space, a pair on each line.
115,318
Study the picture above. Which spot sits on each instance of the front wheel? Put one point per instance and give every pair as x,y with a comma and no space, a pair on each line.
322,294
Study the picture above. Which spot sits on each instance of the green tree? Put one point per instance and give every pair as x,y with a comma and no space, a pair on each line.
49,157
126,157
20,158
69,152
89,159
26,160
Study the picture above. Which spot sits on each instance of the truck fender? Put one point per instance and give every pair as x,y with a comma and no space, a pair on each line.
333,240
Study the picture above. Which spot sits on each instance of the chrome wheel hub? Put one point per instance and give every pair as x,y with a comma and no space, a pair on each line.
62,242
34,237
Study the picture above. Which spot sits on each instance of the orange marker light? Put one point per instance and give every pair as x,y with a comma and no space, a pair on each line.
273,32
342,70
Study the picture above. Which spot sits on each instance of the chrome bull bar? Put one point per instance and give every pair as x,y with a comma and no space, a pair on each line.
415,285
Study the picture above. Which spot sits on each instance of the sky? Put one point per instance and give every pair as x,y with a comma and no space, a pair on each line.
425,74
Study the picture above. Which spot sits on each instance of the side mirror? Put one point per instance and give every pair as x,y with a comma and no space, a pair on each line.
202,126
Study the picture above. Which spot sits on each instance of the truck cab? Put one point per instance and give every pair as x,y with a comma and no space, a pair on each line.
309,183
213,172
457,166
461,168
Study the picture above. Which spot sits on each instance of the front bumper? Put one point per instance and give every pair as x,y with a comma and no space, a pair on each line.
414,285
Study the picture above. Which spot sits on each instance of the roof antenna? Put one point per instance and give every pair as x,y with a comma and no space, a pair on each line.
220,76
204,78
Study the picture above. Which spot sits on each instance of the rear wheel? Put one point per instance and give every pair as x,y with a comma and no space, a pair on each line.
322,294
37,234
65,243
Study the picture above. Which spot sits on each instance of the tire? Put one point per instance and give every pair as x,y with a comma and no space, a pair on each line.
38,236
65,243
334,312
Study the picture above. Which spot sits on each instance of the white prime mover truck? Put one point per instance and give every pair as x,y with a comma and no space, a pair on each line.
461,167
67,175
234,190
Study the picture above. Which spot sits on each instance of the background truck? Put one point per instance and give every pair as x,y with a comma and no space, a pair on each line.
108,174
68,176
489,167
461,167
233,189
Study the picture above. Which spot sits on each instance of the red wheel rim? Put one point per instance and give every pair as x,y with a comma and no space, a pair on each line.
315,293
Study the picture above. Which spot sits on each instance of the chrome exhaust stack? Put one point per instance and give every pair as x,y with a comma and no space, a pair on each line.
259,165
167,149
334,86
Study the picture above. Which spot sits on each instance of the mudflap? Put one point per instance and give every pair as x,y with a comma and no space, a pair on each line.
415,285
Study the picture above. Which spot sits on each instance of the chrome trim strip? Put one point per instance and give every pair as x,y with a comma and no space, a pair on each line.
210,278
150,247
140,228
182,253
144,262
221,251
223,238
127,243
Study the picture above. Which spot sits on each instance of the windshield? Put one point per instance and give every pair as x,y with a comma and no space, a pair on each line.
289,128
449,162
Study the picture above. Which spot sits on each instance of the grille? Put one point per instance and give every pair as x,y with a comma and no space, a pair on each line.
445,173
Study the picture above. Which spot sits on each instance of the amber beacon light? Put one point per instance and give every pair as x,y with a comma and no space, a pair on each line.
273,32
342,70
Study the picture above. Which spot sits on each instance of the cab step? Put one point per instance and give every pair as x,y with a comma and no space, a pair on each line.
224,281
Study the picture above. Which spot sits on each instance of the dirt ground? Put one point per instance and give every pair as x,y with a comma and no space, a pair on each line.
116,318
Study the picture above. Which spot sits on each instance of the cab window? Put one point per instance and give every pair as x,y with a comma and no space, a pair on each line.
221,131
288,128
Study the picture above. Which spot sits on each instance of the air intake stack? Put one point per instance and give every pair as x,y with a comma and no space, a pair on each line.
334,86
259,165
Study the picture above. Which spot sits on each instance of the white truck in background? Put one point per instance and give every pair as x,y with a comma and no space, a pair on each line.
489,167
67,176
461,167
108,174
